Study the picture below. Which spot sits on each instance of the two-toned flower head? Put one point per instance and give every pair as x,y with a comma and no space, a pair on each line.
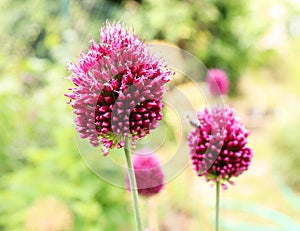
217,81
118,89
148,173
218,145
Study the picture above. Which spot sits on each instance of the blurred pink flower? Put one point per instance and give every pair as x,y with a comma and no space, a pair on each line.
148,174
218,145
217,81
118,89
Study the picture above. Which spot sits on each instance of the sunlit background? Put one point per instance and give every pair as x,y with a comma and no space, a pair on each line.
45,185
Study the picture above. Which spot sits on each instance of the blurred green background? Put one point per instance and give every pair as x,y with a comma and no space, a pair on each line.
42,173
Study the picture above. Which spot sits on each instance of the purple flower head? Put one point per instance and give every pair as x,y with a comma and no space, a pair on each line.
148,174
217,81
218,145
118,89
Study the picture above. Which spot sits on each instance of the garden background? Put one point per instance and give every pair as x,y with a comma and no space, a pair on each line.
42,172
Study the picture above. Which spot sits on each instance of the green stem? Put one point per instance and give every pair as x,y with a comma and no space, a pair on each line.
133,187
217,204
148,204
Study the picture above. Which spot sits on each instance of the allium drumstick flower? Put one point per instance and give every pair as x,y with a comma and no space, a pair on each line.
148,174
218,148
217,81
118,89
218,145
117,96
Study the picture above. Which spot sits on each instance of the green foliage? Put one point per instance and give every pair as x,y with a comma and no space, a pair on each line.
286,141
219,33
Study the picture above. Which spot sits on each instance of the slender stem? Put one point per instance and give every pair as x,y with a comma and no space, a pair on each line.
217,204
148,213
133,187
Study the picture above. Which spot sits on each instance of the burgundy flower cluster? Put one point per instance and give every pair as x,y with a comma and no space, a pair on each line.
148,174
218,145
118,89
